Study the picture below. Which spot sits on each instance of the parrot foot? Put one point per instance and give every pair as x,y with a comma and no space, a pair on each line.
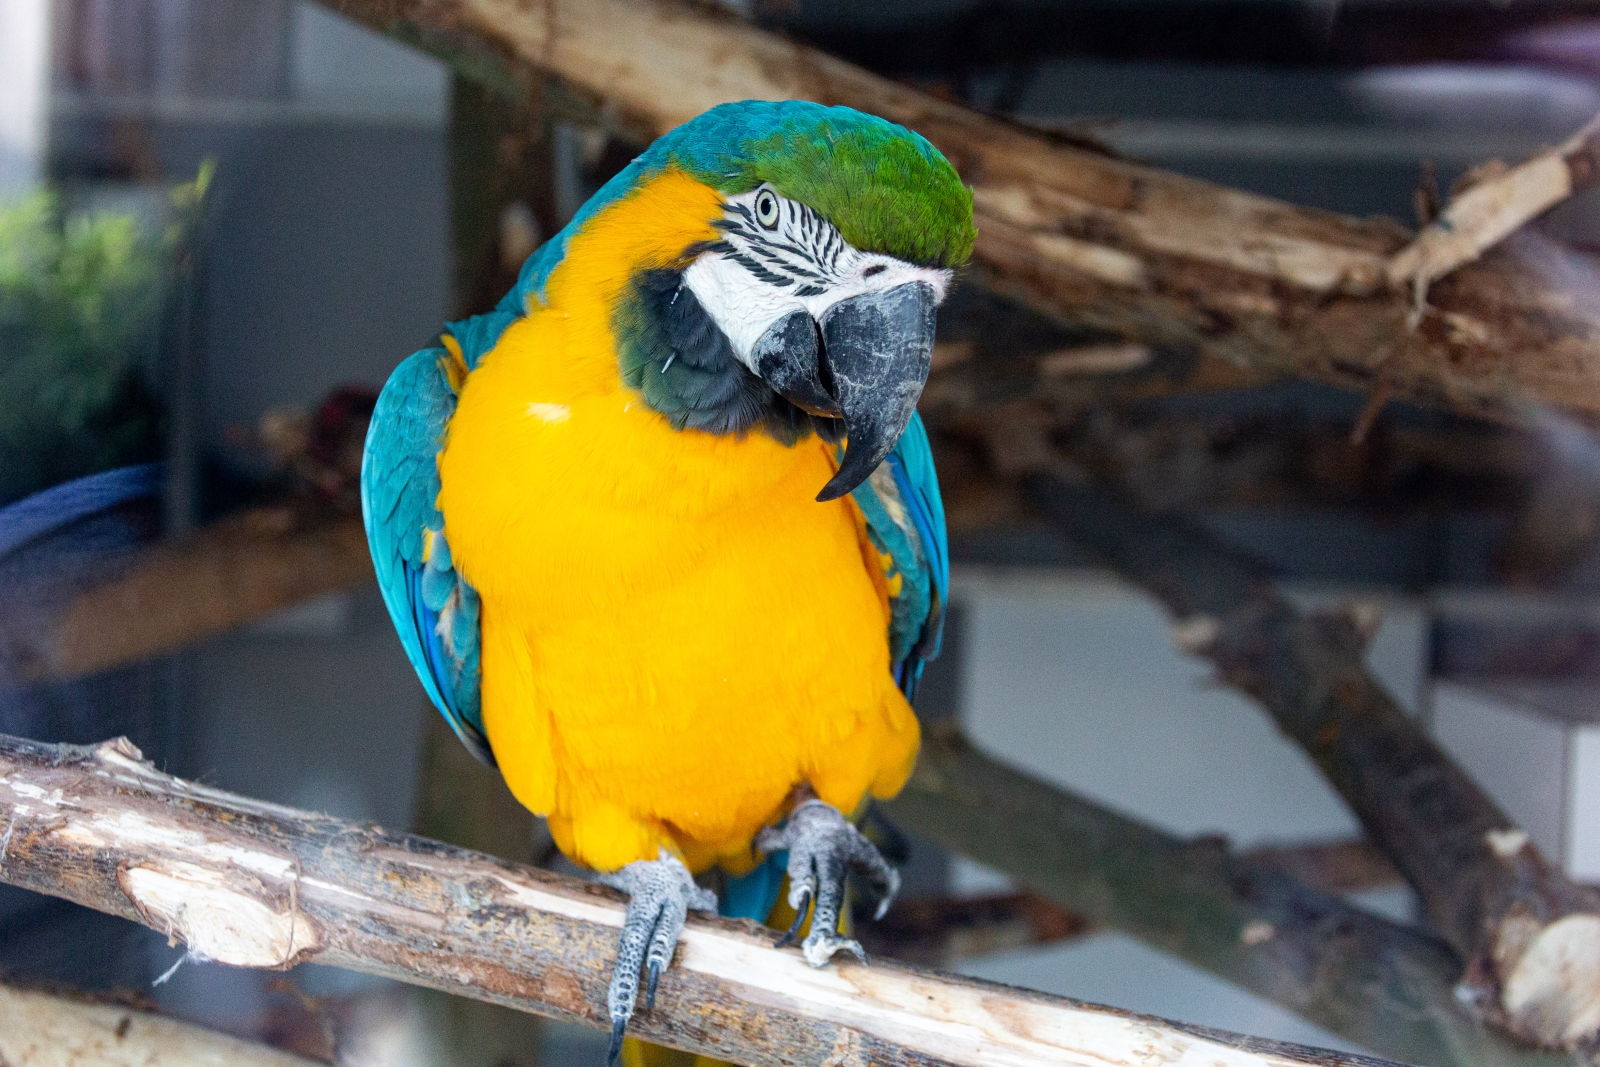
823,848
661,893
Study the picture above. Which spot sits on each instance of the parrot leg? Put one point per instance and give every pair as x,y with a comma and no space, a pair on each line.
823,848
661,893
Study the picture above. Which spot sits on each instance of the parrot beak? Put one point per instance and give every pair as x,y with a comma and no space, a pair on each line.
877,349
788,358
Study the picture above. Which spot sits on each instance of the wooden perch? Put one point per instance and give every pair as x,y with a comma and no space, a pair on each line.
228,574
1164,260
1368,980
41,1030
258,885
1530,937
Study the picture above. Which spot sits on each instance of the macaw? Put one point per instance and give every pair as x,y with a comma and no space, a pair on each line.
596,520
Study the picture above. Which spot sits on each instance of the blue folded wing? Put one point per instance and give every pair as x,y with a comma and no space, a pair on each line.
434,609
905,523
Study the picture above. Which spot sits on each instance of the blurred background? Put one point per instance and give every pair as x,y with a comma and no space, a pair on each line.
223,222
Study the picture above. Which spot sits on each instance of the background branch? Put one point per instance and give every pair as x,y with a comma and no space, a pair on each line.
173,594
41,1030
1529,936
258,885
1166,260
1375,983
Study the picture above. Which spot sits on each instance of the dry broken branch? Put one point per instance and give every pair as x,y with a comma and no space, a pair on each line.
1168,261
1370,981
1531,938
41,1030
258,885
226,575
1489,211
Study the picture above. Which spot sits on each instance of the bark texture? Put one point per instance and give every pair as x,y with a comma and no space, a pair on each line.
1530,937
259,885
1175,263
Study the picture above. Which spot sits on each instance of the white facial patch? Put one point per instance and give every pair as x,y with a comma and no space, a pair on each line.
778,256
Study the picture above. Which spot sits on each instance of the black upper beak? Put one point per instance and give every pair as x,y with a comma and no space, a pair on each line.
866,363
878,349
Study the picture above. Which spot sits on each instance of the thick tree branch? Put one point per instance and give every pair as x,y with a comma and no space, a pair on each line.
1366,979
1531,938
1165,260
259,885
41,1030
170,595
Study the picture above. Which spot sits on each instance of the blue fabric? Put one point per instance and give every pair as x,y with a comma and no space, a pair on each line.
35,516
434,610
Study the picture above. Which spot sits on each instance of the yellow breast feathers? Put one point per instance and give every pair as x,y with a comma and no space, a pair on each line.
675,634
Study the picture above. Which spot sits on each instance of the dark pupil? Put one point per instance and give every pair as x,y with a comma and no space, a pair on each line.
768,209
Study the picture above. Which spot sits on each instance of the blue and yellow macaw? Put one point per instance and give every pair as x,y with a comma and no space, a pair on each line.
596,522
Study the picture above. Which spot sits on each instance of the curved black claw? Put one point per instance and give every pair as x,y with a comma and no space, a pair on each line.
790,935
823,848
661,893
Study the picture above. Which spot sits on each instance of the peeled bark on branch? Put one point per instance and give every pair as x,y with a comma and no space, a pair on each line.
1368,980
172,594
259,885
42,1030
1530,937
1162,259
1488,212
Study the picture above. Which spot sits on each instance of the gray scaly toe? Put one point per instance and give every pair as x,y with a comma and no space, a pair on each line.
661,893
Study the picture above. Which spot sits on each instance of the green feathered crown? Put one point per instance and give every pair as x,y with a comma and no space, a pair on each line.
886,188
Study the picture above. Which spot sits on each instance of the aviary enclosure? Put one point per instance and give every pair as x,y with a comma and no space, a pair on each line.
1286,315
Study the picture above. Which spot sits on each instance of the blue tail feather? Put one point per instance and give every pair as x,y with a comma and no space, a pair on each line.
753,895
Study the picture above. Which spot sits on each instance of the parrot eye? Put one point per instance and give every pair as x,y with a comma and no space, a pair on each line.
767,209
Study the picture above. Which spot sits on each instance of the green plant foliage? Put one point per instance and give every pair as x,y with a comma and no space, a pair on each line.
81,298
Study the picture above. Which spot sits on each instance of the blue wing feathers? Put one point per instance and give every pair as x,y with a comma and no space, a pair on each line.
905,520
912,464
433,608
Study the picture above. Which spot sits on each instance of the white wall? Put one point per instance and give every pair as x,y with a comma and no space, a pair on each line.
24,52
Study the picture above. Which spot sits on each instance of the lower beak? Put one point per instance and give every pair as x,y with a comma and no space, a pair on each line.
877,349
788,358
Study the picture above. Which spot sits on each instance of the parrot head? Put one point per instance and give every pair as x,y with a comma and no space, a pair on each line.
810,308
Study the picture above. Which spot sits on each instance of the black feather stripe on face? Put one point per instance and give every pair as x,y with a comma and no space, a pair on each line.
804,249
672,351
